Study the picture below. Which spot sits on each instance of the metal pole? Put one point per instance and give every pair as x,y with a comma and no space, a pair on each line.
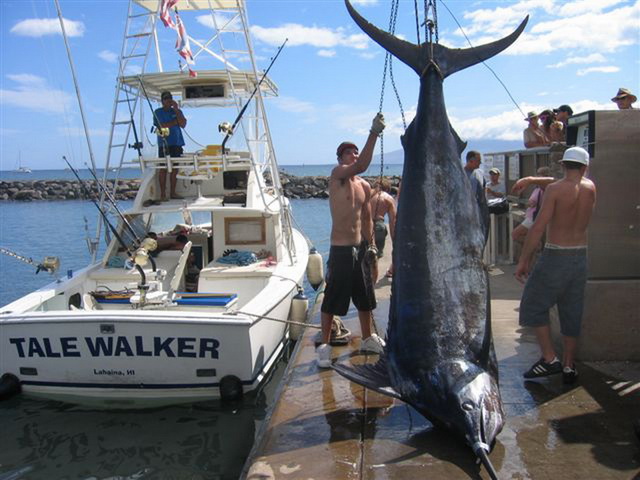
75,83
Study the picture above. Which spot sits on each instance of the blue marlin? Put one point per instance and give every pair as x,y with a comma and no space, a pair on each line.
439,356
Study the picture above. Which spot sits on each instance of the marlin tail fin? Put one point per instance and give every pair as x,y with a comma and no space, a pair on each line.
420,57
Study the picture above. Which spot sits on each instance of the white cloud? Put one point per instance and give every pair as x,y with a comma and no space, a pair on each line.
39,27
108,56
326,53
298,35
291,104
364,3
580,25
579,7
584,71
509,125
593,58
222,20
33,93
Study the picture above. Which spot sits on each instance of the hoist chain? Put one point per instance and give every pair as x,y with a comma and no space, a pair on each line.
431,24
389,65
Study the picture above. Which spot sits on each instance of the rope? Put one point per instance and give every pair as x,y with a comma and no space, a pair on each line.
415,6
483,62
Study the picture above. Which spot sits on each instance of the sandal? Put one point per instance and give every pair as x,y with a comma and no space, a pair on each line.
544,369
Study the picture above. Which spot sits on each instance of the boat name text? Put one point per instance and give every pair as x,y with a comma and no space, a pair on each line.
138,346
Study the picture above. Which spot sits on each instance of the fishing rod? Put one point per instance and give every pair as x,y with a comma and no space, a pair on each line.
162,132
228,129
50,264
137,144
113,229
114,204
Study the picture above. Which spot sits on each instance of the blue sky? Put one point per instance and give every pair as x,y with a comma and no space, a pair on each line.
329,75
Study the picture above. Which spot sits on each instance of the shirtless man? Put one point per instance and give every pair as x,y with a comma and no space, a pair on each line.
352,251
560,275
382,204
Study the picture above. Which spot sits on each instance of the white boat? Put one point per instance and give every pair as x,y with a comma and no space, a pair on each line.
125,337
21,168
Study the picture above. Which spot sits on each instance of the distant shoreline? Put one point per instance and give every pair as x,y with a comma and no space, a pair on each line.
295,187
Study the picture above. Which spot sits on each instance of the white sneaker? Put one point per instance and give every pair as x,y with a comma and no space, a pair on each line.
373,344
324,355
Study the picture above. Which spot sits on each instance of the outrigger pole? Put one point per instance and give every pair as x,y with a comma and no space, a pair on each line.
229,130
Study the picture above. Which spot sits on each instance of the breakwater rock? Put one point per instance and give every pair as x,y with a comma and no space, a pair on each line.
26,191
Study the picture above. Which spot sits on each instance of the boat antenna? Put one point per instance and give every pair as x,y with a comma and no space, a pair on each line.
228,129
87,193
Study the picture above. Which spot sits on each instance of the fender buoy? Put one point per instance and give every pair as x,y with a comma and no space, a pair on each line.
9,386
298,313
231,388
315,273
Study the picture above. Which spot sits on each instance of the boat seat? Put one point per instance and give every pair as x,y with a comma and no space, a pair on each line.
89,302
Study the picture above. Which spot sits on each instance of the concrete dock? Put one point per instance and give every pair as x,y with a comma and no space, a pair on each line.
325,427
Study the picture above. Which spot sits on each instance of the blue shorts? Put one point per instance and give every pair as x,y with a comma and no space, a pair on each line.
558,278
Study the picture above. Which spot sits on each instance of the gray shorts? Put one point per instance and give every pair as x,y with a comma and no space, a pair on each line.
558,278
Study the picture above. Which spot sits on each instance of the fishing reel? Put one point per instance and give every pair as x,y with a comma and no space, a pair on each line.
226,128
161,131
49,264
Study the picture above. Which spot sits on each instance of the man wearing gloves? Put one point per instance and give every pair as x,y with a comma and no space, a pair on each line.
352,248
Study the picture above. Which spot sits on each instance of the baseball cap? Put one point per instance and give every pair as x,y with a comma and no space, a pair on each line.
564,108
576,154
343,146
166,94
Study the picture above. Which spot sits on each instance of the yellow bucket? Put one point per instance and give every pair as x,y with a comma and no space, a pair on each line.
213,150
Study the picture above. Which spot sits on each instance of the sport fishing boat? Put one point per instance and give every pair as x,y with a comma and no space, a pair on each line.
161,318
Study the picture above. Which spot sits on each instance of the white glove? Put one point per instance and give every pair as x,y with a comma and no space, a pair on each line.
377,126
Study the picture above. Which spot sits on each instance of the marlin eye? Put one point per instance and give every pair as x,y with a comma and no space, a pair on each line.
468,406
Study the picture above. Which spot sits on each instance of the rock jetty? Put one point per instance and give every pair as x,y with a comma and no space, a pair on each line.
26,191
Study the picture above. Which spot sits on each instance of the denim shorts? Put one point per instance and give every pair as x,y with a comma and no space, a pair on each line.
558,278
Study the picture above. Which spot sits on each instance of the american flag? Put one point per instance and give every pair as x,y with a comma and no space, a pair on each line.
165,9
182,44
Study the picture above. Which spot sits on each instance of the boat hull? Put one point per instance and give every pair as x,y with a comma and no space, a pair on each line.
118,359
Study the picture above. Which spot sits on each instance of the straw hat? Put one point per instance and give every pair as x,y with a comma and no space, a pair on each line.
530,115
624,92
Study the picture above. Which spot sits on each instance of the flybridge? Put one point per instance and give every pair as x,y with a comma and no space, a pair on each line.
120,346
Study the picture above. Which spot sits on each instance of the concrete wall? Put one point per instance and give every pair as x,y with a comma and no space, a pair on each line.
611,322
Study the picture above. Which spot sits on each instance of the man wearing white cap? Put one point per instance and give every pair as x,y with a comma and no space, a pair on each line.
560,275
624,99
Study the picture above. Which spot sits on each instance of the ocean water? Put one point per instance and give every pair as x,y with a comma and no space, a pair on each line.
128,173
46,440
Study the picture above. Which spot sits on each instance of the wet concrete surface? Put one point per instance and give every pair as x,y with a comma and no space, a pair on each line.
325,427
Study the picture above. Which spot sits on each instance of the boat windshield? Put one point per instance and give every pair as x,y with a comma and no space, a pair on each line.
167,221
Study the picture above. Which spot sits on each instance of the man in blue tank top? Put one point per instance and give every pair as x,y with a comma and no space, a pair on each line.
169,117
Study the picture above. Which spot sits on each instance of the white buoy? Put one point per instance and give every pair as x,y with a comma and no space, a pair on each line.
315,273
298,313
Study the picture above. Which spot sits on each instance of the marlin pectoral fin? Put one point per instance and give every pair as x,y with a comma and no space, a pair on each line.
372,376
